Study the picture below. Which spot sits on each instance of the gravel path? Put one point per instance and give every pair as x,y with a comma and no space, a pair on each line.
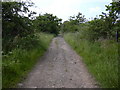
60,67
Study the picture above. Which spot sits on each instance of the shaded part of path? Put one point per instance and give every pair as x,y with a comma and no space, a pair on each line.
60,67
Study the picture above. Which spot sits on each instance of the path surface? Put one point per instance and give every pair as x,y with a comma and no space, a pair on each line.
60,67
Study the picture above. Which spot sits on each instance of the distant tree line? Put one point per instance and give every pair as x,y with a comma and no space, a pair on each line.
107,26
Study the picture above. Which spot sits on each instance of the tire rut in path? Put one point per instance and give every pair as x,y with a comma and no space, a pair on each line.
60,67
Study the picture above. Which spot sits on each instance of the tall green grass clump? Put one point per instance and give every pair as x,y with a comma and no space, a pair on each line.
18,62
100,57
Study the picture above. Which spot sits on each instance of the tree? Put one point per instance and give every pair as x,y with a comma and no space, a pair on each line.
15,24
73,23
48,23
111,19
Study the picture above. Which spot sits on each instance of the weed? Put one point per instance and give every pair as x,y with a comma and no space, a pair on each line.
101,58
19,62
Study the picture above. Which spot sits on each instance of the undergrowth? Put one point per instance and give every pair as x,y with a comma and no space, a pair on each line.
18,62
100,57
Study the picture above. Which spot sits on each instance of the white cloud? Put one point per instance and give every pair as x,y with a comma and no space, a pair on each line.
62,8
92,1
94,10
65,8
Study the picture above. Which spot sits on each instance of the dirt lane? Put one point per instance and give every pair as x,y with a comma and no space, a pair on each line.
60,67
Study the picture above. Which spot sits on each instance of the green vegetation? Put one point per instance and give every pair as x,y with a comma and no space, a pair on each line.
101,58
19,30
104,27
48,23
97,42
18,62
25,38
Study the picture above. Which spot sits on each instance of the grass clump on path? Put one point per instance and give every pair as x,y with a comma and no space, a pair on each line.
101,58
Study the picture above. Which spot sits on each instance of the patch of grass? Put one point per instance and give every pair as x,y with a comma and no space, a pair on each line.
101,58
19,62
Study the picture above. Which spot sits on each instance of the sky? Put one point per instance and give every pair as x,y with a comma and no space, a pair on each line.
65,8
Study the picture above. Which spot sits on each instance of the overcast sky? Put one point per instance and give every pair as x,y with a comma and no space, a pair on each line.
65,8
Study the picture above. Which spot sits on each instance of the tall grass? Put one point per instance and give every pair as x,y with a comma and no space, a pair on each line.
100,57
19,62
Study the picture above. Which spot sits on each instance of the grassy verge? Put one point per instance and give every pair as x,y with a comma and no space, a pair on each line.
19,62
101,58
